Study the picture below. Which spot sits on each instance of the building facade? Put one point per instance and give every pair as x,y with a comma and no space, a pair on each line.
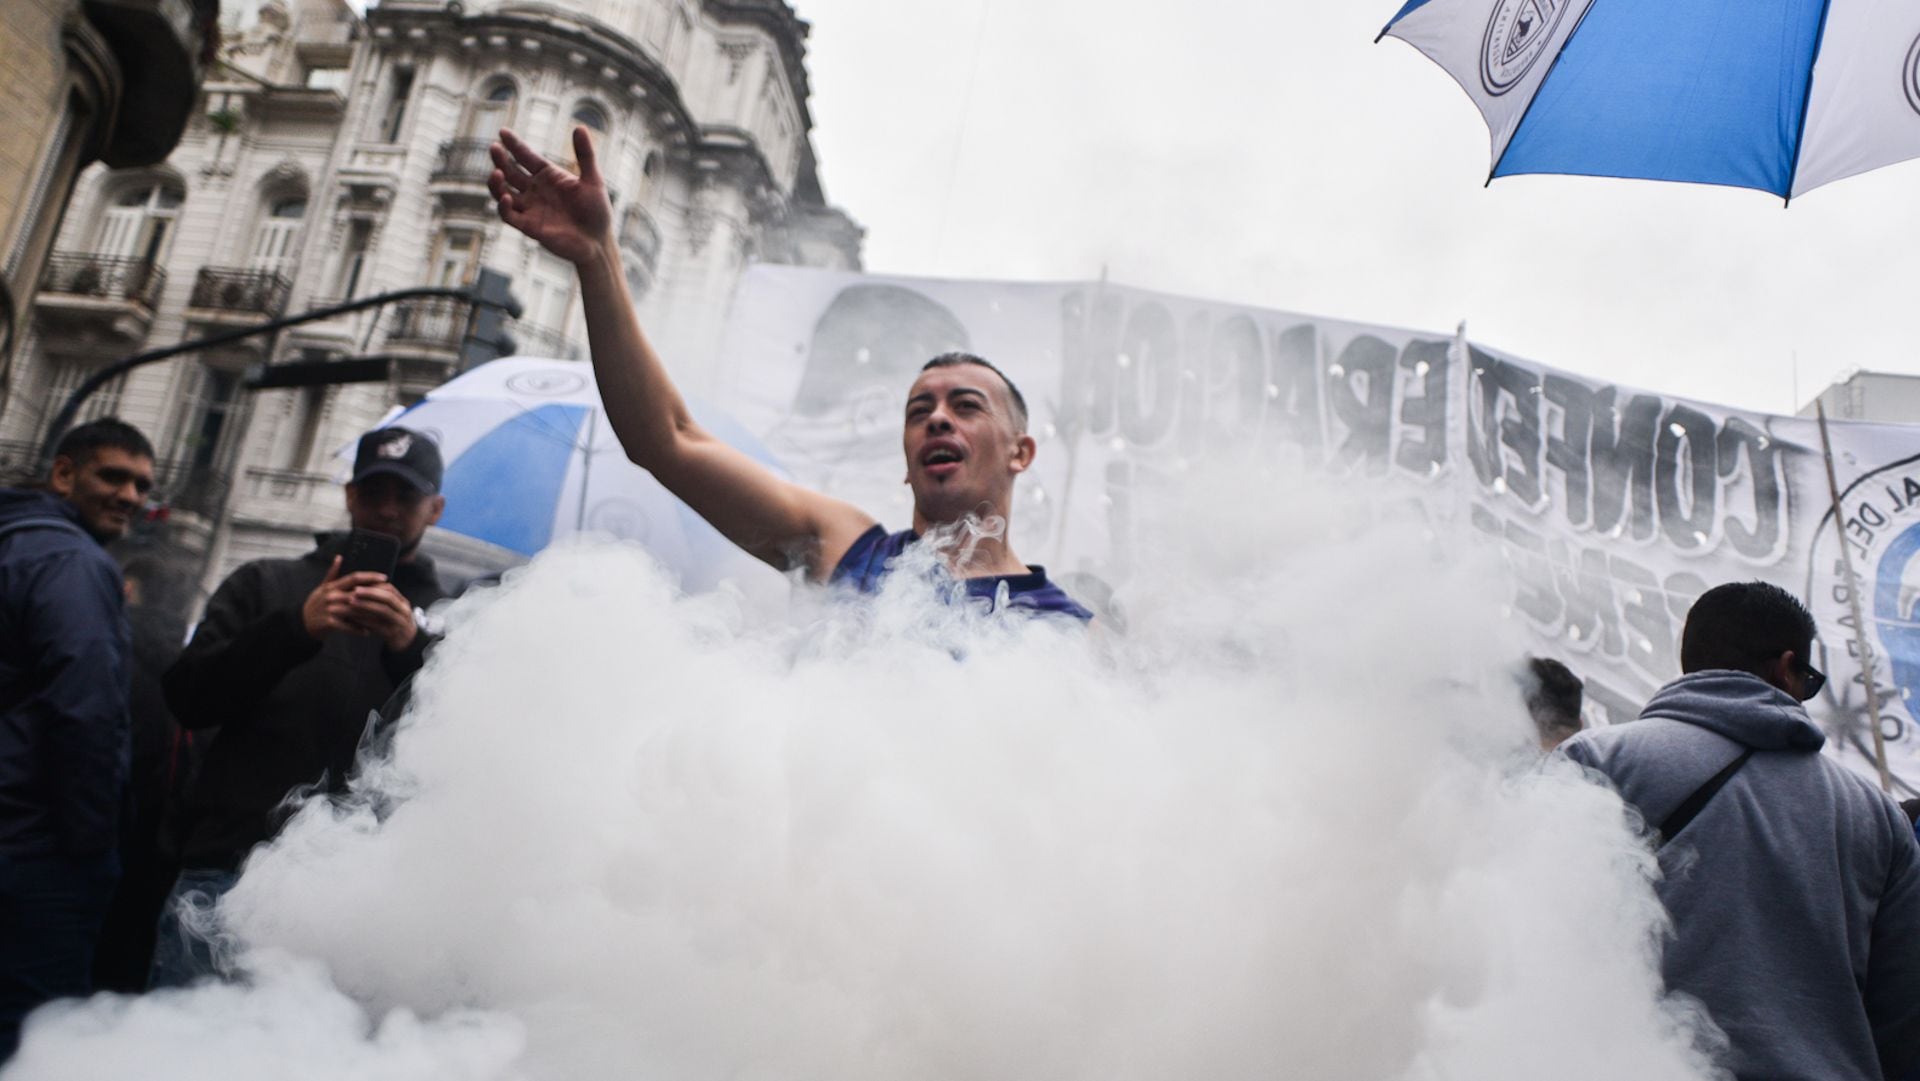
110,80
1880,397
335,156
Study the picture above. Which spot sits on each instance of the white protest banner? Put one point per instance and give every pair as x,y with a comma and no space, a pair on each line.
1614,507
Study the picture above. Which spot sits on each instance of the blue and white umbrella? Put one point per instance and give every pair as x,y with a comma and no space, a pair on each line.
530,459
1779,95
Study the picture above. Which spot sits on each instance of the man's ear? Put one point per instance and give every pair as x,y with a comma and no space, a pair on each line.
439,506
1779,671
1024,449
62,477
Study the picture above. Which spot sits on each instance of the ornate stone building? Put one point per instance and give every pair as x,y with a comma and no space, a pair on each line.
112,80
335,156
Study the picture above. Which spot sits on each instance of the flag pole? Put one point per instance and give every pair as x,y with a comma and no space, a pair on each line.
1853,601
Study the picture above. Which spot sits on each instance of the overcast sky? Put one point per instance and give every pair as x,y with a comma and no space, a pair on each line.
1271,154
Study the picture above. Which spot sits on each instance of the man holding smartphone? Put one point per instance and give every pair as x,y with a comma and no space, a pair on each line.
291,657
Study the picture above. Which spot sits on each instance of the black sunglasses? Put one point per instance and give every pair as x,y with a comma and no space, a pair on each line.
1814,680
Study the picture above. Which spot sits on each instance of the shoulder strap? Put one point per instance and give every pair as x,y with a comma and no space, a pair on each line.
1693,804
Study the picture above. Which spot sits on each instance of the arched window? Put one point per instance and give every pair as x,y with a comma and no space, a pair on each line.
591,115
277,239
492,110
139,224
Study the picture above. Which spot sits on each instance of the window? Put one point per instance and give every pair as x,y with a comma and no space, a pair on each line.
492,111
592,116
457,257
309,408
396,112
205,434
276,241
353,258
549,290
139,224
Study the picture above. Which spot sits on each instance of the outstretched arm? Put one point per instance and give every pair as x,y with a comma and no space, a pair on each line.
771,518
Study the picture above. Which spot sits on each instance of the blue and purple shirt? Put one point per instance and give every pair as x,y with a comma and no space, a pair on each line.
869,560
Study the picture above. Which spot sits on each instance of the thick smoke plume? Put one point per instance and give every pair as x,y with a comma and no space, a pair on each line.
1285,826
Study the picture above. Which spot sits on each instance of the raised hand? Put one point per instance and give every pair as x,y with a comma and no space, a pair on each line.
568,215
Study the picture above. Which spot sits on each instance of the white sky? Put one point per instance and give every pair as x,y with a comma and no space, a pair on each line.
1272,154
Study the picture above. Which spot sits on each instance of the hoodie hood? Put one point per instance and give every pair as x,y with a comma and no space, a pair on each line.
19,503
1740,706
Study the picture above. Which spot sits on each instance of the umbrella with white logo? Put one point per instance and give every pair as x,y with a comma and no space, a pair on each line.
530,459
1778,95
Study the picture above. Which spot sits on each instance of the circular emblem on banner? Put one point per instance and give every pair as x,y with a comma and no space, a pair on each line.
1517,33
1880,514
1910,75
546,384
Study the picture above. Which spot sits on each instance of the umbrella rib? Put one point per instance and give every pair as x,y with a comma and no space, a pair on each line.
542,426
1494,169
1806,105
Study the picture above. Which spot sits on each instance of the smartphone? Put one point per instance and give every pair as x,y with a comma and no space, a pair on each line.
368,550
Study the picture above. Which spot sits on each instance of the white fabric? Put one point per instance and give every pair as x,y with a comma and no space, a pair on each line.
1482,44
1864,111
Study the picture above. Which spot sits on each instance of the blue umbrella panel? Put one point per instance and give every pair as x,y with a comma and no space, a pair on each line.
1777,95
505,489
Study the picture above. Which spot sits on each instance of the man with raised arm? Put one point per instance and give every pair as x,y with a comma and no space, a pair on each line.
965,437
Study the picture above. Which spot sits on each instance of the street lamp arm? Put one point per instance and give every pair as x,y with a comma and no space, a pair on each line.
71,407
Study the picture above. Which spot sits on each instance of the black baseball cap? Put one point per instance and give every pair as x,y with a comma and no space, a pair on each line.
402,452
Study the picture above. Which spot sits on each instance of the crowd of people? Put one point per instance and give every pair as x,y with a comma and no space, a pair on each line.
138,769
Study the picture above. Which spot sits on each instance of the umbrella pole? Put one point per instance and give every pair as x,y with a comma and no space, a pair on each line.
586,474
1853,601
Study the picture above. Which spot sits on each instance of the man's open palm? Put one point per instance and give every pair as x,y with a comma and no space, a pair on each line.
569,215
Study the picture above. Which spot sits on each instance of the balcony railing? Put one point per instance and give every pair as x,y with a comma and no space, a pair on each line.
433,322
234,289
463,160
104,277
535,340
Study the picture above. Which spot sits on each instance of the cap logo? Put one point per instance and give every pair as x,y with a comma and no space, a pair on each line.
395,447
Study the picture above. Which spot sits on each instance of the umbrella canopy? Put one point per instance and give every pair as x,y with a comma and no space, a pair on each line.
1779,95
530,459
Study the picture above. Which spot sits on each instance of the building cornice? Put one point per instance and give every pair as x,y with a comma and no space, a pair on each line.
627,69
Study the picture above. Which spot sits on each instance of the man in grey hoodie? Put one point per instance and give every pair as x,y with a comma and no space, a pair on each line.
1793,883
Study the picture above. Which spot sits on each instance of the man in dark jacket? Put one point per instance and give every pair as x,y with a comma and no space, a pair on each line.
63,712
158,596
291,658
1794,883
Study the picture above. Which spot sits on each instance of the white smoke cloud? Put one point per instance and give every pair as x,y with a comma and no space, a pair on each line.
1283,827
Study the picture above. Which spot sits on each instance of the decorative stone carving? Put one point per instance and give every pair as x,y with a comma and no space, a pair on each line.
737,53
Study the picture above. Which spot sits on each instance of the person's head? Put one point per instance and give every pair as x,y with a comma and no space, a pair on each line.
1753,627
965,439
104,470
1553,695
157,582
396,485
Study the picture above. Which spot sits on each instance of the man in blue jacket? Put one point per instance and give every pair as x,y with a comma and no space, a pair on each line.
63,712
1793,883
